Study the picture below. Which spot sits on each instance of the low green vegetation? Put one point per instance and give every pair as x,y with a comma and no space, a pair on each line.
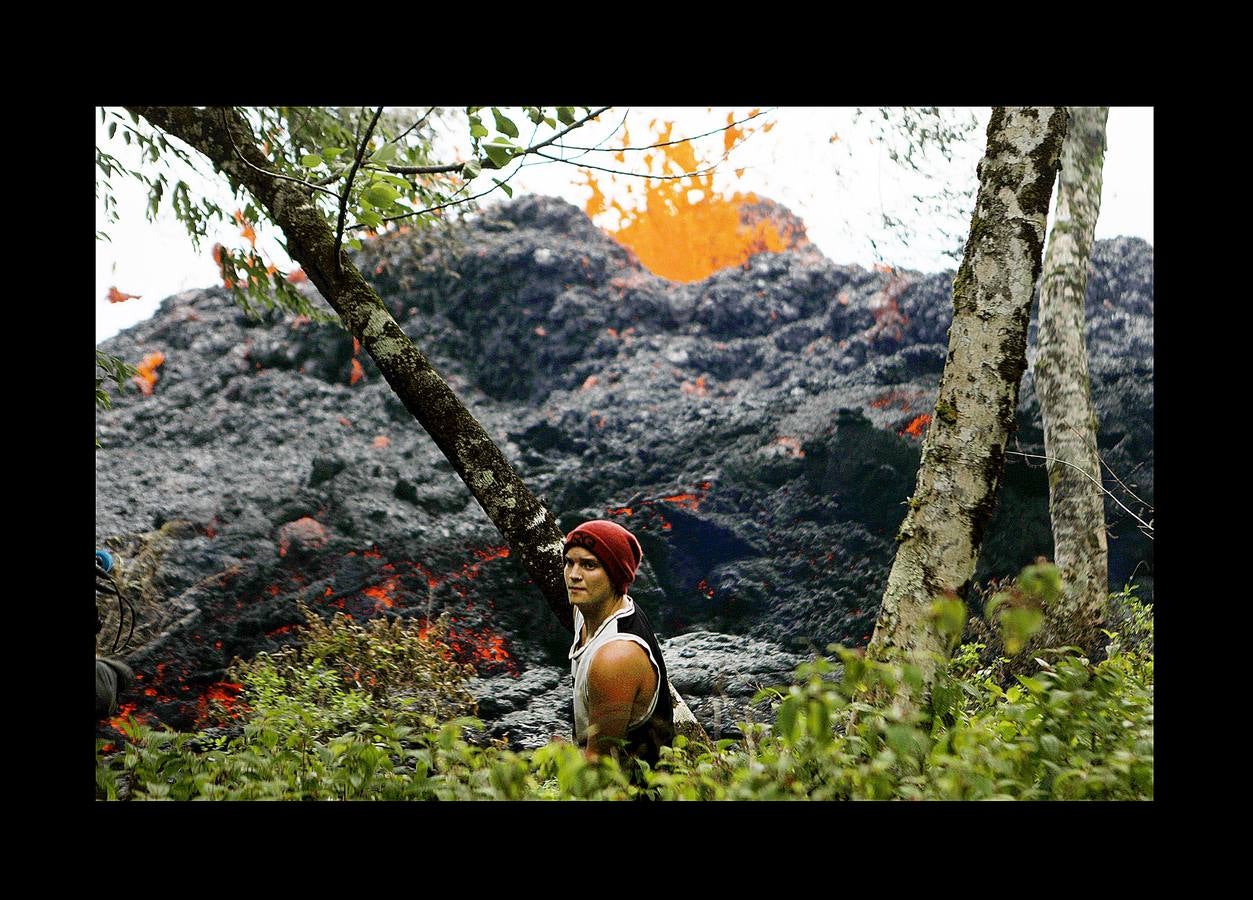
380,712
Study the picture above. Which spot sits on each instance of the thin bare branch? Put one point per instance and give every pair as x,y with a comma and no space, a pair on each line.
455,167
1092,445
425,116
712,168
278,175
1143,524
343,202
694,137
418,212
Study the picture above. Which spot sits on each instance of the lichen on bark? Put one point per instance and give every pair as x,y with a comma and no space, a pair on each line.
963,456
1076,500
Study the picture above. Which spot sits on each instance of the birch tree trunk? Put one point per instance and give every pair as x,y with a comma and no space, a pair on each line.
1076,501
963,453
534,538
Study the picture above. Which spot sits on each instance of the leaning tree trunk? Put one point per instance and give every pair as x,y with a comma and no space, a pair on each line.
223,136
1076,500
963,453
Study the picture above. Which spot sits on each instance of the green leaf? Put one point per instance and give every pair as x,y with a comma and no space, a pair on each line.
112,129
504,187
499,156
332,152
566,114
504,124
354,243
384,154
477,128
379,194
949,615
785,721
311,161
471,170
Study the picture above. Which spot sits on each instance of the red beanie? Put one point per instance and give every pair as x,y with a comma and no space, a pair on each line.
616,548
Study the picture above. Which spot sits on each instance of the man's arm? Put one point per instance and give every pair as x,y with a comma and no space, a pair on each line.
620,672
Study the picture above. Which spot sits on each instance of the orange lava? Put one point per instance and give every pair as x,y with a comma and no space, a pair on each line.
917,426
684,229
792,445
296,276
146,372
381,441
225,693
357,372
892,397
686,501
384,595
697,390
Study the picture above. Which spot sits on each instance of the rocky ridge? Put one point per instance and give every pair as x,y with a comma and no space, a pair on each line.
758,430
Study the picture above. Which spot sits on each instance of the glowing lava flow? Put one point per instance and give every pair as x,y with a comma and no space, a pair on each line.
917,427
687,500
685,230
146,372
220,698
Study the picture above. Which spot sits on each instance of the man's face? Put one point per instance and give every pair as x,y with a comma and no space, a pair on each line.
587,583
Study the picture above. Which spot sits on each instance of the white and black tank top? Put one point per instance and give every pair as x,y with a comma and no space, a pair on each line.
654,726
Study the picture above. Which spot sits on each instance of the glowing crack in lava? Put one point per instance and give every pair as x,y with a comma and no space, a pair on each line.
684,229
917,427
483,648
146,372
219,698
690,500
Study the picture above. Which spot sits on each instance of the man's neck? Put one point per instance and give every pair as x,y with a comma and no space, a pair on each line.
594,617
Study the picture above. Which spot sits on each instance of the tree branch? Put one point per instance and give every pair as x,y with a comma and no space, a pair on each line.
418,212
246,162
1143,524
455,167
425,116
352,173
712,168
694,137
1092,445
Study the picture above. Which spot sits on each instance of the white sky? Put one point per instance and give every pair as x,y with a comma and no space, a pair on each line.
840,188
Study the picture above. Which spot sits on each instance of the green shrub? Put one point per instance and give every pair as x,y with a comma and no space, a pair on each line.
317,730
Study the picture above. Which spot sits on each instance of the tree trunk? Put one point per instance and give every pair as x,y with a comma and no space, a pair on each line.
964,450
1076,501
532,533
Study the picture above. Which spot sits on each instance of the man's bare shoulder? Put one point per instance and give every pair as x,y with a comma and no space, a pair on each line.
617,661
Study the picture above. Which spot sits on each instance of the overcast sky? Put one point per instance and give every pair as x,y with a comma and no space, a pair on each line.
832,170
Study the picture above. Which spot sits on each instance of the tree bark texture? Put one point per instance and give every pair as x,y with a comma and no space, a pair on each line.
531,531
964,449
1076,500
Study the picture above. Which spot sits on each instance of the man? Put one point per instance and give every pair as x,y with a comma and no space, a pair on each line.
621,696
